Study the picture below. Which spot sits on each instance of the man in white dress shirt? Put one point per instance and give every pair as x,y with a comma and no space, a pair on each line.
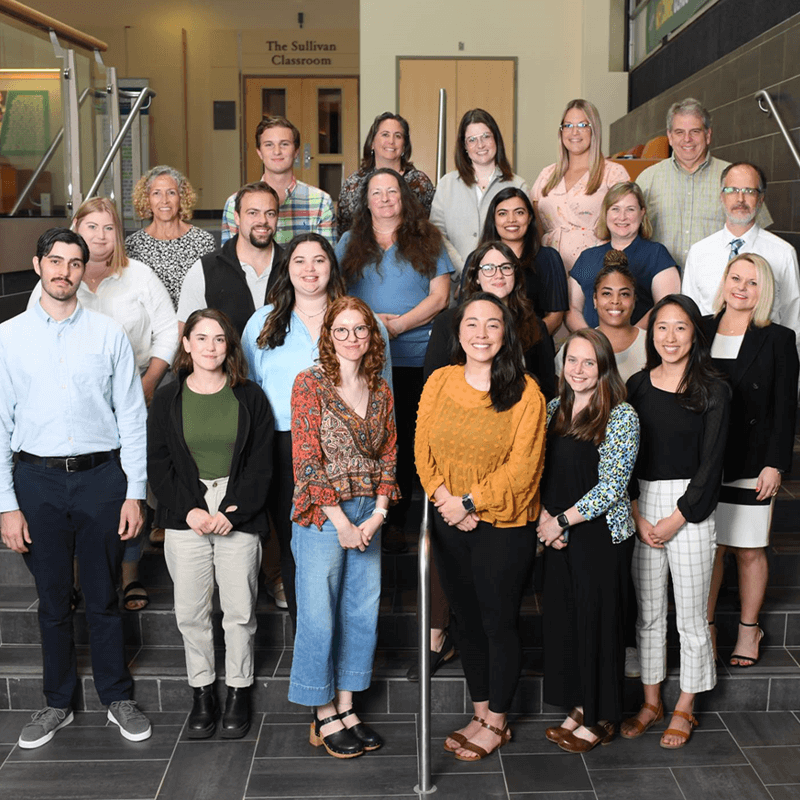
742,195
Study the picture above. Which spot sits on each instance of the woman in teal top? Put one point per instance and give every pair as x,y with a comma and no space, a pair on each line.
209,464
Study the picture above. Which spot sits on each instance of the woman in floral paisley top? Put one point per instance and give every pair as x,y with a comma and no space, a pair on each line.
344,451
586,525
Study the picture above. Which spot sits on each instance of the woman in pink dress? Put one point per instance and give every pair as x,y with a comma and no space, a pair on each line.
567,195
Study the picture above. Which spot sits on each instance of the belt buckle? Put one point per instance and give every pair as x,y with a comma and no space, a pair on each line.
66,463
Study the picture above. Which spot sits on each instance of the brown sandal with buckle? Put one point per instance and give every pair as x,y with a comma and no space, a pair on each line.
505,738
604,732
693,723
642,727
557,734
459,737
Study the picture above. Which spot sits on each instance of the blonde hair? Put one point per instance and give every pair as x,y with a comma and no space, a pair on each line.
615,193
597,162
766,285
141,192
119,258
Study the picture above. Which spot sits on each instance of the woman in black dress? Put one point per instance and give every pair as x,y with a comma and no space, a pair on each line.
585,523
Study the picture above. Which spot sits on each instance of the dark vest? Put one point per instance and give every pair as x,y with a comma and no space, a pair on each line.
226,284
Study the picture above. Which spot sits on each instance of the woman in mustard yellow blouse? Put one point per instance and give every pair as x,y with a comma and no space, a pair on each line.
480,452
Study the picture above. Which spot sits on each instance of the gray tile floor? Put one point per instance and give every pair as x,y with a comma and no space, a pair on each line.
743,755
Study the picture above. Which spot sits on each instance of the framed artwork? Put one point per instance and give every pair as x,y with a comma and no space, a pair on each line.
25,129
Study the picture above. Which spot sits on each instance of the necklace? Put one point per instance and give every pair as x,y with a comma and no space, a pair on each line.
341,392
310,316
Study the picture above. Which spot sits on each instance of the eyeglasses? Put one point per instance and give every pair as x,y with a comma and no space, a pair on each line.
568,126
343,334
748,190
487,270
483,137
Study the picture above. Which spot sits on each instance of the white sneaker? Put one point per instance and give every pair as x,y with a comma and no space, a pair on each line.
632,667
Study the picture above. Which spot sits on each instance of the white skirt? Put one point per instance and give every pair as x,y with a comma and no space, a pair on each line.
742,521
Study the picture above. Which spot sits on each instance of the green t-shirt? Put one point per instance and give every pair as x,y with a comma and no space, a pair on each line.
210,422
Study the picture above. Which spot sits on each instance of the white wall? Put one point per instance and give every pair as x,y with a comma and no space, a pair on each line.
562,50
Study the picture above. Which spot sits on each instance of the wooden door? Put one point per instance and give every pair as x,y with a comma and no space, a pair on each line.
325,110
486,83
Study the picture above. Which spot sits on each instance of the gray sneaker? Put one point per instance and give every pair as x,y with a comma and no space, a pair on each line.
132,723
43,726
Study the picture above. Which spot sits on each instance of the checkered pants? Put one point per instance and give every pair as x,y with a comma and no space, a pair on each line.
689,558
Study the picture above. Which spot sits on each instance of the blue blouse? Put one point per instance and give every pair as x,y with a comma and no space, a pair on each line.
617,456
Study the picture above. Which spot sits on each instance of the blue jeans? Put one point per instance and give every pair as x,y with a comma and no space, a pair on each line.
338,594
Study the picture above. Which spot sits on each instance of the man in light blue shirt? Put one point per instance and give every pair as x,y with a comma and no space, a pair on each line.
72,478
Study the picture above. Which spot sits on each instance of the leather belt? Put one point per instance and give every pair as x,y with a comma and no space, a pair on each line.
69,463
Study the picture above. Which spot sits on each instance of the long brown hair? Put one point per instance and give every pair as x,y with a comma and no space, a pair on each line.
418,241
235,365
517,301
463,162
590,424
375,357
368,156
281,295
597,162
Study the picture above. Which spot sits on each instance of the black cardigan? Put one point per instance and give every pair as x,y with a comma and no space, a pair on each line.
173,474
764,403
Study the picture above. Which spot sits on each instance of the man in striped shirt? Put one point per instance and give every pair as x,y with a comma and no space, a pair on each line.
304,208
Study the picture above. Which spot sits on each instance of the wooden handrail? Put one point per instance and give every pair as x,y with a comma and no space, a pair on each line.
38,20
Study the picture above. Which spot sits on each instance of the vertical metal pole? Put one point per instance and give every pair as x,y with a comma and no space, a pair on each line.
70,108
441,139
136,148
112,100
424,603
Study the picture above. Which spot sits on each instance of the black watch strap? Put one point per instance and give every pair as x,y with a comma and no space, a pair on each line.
469,505
562,520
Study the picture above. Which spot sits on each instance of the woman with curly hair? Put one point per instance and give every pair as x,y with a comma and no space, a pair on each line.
388,144
394,260
344,447
169,245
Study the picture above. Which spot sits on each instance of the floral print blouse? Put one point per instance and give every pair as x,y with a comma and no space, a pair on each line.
337,455
617,456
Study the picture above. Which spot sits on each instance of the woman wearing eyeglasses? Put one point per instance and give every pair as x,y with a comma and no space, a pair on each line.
344,449
463,196
567,195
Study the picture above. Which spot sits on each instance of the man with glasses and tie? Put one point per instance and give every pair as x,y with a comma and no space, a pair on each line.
743,189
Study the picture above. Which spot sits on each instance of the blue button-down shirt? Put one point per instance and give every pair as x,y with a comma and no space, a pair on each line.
69,388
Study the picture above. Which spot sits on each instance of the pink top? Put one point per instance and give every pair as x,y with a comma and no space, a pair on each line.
568,217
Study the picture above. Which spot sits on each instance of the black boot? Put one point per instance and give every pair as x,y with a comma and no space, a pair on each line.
203,717
236,719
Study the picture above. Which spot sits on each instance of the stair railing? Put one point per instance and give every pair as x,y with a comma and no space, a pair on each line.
762,96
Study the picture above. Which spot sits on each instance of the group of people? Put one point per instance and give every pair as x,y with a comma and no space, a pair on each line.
314,379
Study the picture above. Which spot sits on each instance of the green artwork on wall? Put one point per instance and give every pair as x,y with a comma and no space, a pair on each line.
25,127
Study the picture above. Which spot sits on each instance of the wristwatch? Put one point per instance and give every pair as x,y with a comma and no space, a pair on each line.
562,521
469,503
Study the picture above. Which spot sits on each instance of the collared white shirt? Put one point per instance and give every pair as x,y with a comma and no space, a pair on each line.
707,260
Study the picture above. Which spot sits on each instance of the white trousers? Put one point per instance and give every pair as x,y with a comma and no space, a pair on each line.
194,562
689,558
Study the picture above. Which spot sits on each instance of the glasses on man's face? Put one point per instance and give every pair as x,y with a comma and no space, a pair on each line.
488,270
568,126
482,138
343,334
748,190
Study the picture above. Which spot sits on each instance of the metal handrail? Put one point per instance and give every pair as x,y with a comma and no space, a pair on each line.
41,21
441,138
424,605
57,139
762,95
145,94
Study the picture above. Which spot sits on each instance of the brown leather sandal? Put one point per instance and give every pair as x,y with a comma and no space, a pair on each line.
557,734
642,727
505,738
459,737
604,731
693,723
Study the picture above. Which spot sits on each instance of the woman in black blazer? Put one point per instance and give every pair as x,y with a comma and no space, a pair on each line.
761,362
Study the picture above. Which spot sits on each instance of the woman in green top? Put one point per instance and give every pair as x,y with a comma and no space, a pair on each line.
209,464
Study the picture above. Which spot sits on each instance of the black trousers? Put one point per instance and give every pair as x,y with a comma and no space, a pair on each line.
408,383
483,574
76,515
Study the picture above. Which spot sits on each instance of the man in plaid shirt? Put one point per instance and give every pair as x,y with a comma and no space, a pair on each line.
304,208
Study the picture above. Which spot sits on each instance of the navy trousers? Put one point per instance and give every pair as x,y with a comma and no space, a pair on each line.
76,514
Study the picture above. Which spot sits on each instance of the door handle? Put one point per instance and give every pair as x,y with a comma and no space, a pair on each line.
307,156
